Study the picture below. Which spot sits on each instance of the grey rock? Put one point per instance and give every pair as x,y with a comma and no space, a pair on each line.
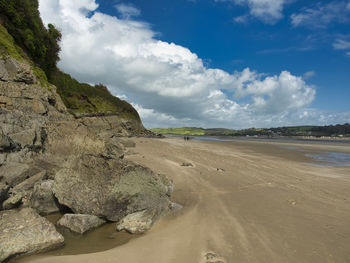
82,155
168,184
3,70
25,232
24,138
115,126
12,202
14,173
42,199
174,207
3,157
114,150
29,183
128,143
212,257
80,223
136,223
109,188
3,193
5,143
187,164
13,70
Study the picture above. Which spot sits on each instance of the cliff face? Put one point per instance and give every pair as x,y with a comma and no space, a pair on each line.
22,20
51,160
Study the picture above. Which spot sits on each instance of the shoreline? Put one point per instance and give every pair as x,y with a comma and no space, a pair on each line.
244,201
324,139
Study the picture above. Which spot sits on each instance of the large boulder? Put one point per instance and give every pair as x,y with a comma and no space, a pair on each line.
135,223
3,193
80,223
14,173
110,188
42,199
29,183
6,144
25,232
142,221
13,201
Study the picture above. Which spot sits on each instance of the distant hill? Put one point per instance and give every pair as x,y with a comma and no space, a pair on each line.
180,131
342,130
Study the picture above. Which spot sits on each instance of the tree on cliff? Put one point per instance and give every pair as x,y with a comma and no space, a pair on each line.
22,20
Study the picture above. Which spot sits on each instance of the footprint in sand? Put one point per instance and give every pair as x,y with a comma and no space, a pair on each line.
211,257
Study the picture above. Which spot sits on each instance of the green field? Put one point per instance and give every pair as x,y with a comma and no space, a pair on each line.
179,131
318,131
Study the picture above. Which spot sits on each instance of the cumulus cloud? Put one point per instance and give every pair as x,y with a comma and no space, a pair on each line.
167,83
268,11
321,15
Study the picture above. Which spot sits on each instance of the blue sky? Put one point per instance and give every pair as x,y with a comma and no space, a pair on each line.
213,63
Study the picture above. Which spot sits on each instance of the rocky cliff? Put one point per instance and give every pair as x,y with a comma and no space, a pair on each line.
51,161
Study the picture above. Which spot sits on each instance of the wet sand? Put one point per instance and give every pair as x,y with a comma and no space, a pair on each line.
245,201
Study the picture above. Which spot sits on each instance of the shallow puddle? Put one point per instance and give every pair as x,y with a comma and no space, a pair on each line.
330,158
100,239
334,159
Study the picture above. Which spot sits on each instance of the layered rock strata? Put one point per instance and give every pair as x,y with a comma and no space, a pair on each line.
49,160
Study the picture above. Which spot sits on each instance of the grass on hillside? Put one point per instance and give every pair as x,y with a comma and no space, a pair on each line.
8,47
83,99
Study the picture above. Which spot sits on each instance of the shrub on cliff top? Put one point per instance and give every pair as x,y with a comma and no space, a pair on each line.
22,20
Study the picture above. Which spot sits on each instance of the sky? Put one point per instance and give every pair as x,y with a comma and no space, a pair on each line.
212,63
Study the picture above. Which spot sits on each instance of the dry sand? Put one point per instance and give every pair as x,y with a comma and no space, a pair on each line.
244,201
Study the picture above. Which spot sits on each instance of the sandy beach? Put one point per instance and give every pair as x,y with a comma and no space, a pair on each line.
243,201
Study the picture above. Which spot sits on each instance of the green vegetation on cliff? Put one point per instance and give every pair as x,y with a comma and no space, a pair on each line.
8,47
22,20
83,99
318,131
23,36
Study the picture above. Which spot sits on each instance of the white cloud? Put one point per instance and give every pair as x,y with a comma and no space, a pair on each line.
241,19
127,11
309,74
341,44
268,11
273,94
167,83
322,15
